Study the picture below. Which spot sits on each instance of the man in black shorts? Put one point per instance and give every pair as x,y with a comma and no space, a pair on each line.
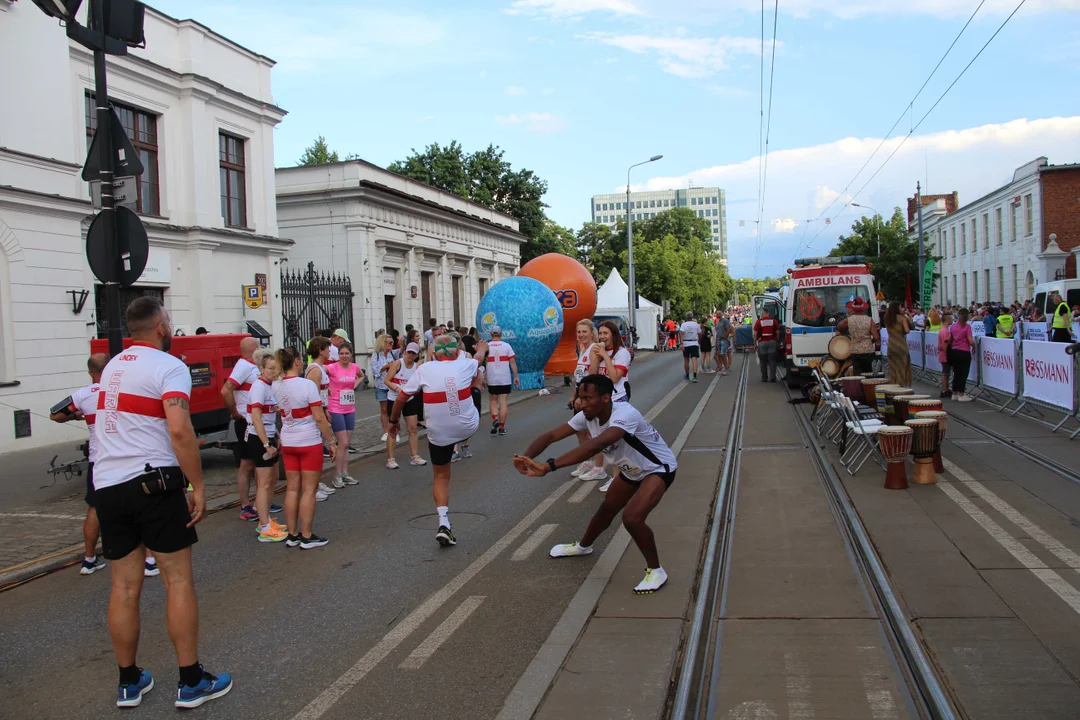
645,470
689,336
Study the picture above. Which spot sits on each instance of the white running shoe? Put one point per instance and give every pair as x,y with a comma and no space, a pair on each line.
417,461
326,489
593,473
653,581
320,496
570,550
338,482
391,464
383,438
349,480
605,486
581,469
400,438
964,398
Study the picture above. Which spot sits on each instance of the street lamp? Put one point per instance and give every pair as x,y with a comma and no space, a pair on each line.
867,207
631,289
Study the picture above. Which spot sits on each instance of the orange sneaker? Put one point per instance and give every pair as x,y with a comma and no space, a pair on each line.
272,534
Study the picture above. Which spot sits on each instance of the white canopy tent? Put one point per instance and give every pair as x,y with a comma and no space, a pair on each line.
611,300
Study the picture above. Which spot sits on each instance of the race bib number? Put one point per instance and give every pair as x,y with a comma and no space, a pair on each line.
579,373
347,397
324,395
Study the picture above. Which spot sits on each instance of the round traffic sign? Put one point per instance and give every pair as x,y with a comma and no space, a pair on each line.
132,244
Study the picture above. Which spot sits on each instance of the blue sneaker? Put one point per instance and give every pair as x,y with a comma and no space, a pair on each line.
210,687
275,508
131,695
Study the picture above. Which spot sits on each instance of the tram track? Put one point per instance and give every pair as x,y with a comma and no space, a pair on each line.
1060,469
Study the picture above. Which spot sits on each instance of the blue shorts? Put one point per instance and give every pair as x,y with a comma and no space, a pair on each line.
380,395
725,346
342,422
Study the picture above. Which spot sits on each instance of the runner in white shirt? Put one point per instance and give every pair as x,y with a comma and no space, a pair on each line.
646,469
260,446
586,339
147,455
398,373
82,405
501,368
451,416
235,394
690,335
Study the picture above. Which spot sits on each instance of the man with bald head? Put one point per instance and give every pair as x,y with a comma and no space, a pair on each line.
235,394
82,405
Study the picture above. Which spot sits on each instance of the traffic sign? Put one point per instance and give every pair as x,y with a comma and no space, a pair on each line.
253,296
132,243
124,160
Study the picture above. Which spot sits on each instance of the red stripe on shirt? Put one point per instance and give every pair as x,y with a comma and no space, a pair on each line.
91,419
137,404
499,359
174,394
436,398
303,412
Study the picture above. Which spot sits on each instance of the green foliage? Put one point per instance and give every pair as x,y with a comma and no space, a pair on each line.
748,287
485,177
554,238
899,253
318,153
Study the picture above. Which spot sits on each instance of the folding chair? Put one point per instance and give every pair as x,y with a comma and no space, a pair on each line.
862,438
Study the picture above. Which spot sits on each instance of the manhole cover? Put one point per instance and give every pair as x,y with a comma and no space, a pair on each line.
459,519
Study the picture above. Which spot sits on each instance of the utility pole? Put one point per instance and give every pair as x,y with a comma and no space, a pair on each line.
631,285
922,248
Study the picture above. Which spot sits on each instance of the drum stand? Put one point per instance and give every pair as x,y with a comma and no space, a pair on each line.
896,475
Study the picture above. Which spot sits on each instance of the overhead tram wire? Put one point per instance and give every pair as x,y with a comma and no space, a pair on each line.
768,125
906,111
761,119
927,114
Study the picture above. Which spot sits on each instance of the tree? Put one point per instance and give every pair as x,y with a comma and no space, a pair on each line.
746,287
554,238
318,153
899,256
441,167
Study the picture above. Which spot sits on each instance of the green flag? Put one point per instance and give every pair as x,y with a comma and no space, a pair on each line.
927,283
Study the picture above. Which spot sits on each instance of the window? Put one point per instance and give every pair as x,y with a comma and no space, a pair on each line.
1015,285
944,247
963,238
639,203
954,240
605,206
1029,216
652,203
974,237
989,293
141,128
997,223
667,203
831,303
975,287
1015,222
986,231
714,200
233,187
618,206
598,210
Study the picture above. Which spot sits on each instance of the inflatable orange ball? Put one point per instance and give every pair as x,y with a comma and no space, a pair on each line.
575,288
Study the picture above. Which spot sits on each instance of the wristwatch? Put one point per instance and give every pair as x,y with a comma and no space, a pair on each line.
551,464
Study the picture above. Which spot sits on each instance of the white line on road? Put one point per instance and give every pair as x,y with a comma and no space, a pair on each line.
878,695
532,542
660,406
442,633
41,515
1027,558
797,683
1011,514
583,491
417,617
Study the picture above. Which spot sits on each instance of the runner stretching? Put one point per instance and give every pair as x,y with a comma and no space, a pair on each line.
645,470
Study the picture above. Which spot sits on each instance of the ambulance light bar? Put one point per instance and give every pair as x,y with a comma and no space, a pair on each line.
845,260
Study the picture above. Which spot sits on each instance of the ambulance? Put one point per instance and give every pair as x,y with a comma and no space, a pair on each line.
811,304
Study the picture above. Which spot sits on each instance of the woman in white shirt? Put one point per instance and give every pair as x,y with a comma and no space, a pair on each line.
586,339
261,447
382,357
608,357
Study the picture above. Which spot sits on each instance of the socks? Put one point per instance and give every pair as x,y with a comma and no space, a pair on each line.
444,515
151,561
130,675
90,558
191,675
265,528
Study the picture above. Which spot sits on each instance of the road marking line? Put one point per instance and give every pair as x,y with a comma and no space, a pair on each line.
1011,514
442,633
797,684
406,627
41,515
533,542
660,406
583,492
878,695
1027,558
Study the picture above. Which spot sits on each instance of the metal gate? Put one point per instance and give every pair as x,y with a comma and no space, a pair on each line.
313,300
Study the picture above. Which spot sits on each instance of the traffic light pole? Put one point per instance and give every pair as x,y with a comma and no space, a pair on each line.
108,206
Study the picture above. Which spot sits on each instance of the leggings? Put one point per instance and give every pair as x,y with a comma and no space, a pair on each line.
960,360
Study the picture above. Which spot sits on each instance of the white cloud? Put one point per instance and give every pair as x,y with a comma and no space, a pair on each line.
515,90
547,91
534,122
572,8
686,57
785,225
803,181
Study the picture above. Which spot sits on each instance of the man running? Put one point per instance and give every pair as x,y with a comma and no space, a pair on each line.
501,369
646,469
689,334
82,405
446,385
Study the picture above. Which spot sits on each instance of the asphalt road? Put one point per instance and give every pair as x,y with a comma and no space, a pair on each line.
361,627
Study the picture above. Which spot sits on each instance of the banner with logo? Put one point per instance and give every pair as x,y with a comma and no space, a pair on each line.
1048,373
930,347
914,346
884,342
999,357
1035,331
927,283
978,328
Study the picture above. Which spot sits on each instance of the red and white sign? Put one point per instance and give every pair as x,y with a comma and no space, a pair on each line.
1048,373
830,280
999,358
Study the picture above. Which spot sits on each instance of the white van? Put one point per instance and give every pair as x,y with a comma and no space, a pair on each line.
1070,294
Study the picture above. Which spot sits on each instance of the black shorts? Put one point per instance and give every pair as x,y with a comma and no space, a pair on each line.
413,407
253,450
692,351
476,400
240,428
706,346
440,454
129,518
498,389
90,484
667,477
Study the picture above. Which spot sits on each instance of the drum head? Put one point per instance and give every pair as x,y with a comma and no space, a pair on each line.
840,347
829,365
894,430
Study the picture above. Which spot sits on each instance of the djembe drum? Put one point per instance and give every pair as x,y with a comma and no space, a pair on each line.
942,419
829,365
895,444
840,347
891,393
923,405
851,386
902,405
868,385
879,396
924,443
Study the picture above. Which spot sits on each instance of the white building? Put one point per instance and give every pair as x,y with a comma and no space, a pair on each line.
183,98
999,247
412,251
707,203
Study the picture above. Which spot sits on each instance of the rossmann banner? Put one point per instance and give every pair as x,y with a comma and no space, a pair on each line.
1048,373
914,347
930,346
998,357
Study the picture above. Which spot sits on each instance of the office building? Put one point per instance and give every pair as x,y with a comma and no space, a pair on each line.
707,203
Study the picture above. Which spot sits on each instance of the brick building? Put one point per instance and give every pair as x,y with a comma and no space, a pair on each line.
951,203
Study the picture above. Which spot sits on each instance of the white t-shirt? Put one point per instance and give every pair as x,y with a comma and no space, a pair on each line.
243,374
130,425
919,321
641,452
498,363
583,364
400,378
448,407
85,400
621,361
333,352
262,397
296,396
691,332
324,384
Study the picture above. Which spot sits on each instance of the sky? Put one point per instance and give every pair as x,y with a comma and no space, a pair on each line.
579,90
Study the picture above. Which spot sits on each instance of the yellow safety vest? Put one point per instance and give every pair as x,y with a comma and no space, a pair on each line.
935,328
1061,322
1005,326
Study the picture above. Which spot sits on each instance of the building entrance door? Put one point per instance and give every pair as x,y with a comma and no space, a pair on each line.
388,301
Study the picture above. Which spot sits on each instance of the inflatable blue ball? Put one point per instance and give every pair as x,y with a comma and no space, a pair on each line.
531,319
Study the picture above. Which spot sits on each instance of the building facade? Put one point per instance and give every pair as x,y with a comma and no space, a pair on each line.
1001,246
199,110
707,203
412,251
